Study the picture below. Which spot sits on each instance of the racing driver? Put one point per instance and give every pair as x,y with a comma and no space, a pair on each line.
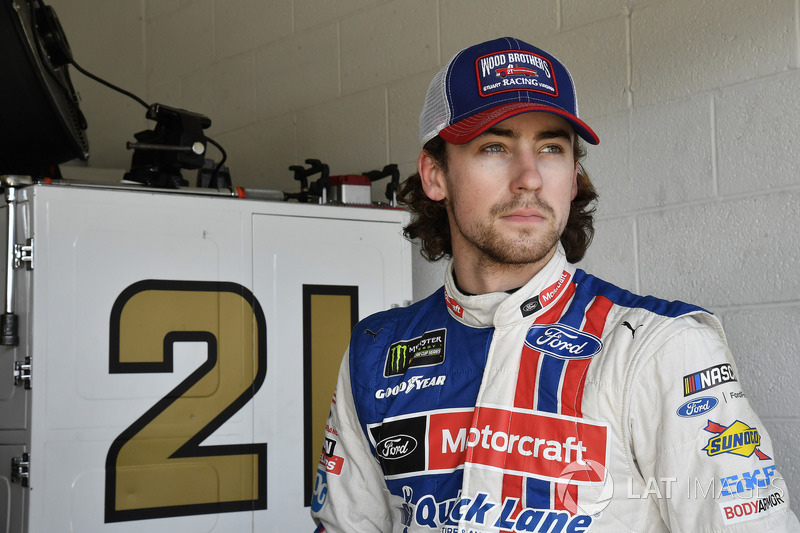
526,394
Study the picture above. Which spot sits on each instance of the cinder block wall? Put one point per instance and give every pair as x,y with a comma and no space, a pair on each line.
695,102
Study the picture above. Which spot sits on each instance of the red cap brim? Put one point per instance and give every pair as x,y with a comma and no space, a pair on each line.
465,130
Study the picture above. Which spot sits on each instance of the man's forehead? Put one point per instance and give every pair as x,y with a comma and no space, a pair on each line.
545,125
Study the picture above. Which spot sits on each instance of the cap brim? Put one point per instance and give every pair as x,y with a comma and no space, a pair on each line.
465,130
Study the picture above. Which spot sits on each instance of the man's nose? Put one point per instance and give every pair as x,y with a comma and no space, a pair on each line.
527,176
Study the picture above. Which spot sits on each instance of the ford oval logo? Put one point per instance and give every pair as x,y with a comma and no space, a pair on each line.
697,407
396,447
562,341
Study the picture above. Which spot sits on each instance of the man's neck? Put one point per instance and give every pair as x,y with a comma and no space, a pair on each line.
485,276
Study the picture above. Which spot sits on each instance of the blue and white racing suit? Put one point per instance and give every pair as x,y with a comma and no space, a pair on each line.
569,405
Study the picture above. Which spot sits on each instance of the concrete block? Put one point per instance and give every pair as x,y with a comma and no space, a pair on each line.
671,153
576,13
597,57
259,155
607,165
468,22
312,13
612,254
722,253
691,46
180,42
159,8
764,342
785,435
168,93
349,134
388,43
223,91
243,25
757,135
405,104
298,72
428,276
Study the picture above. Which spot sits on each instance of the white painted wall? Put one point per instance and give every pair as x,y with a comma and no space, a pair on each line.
695,103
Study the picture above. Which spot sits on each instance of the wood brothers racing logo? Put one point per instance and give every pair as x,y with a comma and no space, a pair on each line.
515,70
515,441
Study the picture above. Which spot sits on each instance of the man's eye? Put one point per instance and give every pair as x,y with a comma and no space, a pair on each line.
552,149
493,148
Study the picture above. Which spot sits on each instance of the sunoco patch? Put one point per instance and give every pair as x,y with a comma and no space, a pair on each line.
426,350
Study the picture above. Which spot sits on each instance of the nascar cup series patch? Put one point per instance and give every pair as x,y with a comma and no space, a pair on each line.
737,439
515,70
425,350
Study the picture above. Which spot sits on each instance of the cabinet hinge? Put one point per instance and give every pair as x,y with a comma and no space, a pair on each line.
21,469
22,373
23,255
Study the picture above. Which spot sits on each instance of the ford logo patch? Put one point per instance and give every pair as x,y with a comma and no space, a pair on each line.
698,406
396,446
562,341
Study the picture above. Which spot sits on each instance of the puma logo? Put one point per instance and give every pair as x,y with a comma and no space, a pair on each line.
374,335
633,330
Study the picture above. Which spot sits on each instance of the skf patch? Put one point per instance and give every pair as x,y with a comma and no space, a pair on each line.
708,378
426,350
737,439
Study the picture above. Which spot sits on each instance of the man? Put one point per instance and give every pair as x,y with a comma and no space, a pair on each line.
527,395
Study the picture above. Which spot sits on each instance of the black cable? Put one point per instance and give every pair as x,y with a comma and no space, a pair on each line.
107,84
224,157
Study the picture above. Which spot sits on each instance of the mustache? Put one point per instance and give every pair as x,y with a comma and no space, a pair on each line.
520,201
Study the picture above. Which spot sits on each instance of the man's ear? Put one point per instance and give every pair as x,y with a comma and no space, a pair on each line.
575,181
432,177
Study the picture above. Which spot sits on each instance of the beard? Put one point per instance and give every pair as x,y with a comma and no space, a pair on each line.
522,247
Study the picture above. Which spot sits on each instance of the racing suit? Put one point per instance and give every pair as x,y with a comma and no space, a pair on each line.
569,405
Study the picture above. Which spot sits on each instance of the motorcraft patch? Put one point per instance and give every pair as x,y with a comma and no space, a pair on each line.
708,378
516,441
737,439
425,350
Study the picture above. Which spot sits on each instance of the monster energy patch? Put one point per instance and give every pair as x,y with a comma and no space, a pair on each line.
426,350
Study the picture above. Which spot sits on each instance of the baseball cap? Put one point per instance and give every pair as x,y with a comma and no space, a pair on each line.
495,80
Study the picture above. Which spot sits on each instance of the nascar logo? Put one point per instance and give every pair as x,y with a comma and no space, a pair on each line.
737,439
708,378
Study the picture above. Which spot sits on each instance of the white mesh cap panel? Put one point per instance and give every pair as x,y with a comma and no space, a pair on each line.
436,112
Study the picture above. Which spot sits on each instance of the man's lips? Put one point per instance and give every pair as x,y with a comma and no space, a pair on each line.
524,215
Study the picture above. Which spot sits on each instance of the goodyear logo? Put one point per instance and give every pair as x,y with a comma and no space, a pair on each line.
425,350
737,439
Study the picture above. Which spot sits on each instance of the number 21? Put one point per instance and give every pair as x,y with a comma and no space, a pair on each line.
157,467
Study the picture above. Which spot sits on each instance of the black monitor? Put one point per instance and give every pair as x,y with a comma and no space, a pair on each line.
41,124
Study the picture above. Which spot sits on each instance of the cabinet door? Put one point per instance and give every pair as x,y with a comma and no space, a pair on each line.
314,279
13,495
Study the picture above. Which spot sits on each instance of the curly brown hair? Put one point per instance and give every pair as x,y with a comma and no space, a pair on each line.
431,226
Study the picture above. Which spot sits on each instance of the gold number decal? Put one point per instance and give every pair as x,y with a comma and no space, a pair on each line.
157,467
329,314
